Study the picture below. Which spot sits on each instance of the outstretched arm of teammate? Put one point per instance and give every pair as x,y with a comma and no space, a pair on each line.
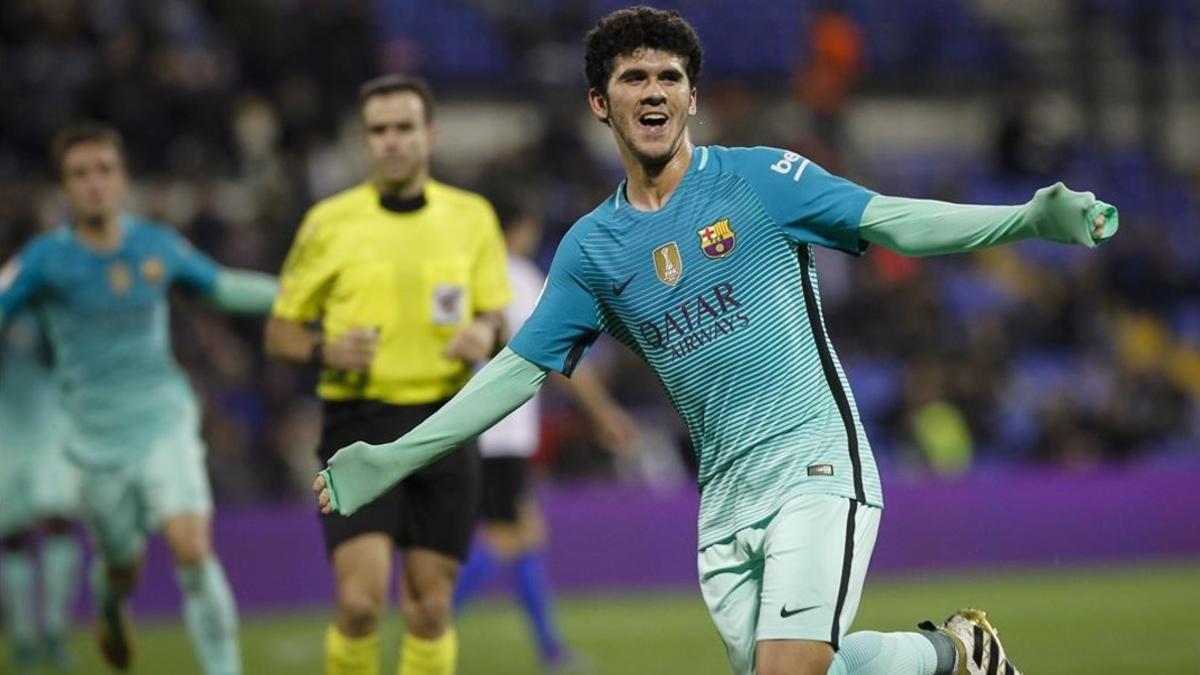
244,292
925,227
360,472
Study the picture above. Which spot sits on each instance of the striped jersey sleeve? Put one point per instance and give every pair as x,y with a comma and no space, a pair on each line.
812,205
565,322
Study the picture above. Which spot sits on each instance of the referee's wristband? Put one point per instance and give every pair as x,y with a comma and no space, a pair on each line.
316,358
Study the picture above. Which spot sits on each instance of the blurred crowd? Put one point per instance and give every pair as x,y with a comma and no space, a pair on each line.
238,114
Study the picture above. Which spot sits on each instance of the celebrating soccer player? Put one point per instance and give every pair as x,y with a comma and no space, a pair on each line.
701,262
39,489
406,276
101,281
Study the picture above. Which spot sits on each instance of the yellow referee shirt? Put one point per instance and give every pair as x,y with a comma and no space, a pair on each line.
417,277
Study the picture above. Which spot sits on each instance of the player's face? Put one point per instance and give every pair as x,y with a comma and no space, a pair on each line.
399,140
648,103
94,180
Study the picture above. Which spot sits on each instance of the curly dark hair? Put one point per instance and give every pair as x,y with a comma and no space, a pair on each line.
627,30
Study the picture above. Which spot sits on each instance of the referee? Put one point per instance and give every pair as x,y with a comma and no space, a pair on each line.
406,278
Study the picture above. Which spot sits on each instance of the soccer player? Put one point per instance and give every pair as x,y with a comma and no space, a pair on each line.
513,533
406,276
101,282
701,262
39,489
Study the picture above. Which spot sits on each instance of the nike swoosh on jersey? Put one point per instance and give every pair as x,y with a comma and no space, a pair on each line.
617,290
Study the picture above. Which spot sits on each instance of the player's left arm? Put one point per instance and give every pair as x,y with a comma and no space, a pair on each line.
231,290
814,206
927,227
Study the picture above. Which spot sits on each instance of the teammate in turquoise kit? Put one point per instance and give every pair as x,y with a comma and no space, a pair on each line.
39,490
701,262
100,282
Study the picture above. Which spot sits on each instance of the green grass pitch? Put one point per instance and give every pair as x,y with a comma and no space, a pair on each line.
1130,619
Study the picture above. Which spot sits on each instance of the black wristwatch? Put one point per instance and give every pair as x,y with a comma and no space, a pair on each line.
316,358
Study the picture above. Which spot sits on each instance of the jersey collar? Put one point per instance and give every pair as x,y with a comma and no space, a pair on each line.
699,161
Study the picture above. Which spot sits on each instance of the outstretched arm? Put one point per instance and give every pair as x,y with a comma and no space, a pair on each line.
243,291
231,290
360,472
920,227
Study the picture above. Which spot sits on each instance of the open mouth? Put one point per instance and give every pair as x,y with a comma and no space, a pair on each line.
653,120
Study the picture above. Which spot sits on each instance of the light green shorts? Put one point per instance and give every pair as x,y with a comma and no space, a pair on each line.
796,576
123,504
36,487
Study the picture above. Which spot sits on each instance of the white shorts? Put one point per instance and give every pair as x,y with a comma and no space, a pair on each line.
35,488
123,504
797,575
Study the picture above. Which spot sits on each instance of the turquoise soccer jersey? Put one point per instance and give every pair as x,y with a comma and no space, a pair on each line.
107,319
28,396
717,292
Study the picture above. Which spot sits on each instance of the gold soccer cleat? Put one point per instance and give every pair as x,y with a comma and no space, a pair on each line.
977,644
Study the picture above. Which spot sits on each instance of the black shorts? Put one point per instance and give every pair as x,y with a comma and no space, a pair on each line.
435,508
505,480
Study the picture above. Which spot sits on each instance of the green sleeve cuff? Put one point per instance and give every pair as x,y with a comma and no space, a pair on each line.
360,472
243,292
925,227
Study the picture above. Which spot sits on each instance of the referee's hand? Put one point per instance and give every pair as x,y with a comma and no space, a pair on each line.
353,352
473,343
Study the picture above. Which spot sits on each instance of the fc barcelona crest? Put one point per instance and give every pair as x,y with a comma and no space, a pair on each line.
717,240
667,263
152,270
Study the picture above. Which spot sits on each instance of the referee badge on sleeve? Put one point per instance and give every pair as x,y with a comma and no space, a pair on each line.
449,304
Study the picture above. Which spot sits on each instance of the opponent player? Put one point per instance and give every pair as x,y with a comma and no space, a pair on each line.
39,489
701,261
513,533
406,276
101,282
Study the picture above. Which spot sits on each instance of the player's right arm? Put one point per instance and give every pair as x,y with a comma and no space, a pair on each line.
562,327
20,280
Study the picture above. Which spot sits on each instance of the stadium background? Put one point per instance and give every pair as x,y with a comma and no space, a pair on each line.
1033,409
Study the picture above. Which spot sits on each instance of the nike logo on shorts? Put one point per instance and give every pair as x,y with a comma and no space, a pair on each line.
785,613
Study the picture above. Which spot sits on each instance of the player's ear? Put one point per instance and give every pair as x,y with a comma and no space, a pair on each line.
692,105
598,102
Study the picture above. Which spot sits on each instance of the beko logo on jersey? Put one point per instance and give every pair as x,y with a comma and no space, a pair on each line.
688,326
790,159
